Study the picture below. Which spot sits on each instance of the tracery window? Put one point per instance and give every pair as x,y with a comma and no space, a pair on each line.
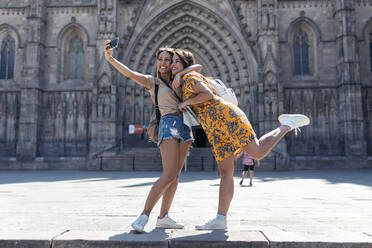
7,55
74,58
301,53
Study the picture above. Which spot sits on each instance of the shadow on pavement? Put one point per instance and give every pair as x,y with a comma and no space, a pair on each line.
335,176
215,235
11,177
159,235
155,235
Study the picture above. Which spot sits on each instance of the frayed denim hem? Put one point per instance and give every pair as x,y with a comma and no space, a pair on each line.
191,139
171,137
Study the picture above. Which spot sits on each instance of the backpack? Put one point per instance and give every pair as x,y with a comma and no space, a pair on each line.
225,93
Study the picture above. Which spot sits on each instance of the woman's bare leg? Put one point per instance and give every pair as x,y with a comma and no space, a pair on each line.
259,148
171,190
226,168
169,154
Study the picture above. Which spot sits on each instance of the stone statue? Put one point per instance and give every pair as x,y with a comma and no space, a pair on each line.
100,106
103,4
59,127
265,19
109,4
107,106
102,23
267,105
109,27
33,8
268,19
272,19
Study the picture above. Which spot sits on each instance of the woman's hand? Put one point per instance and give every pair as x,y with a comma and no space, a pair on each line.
107,52
238,155
176,82
182,106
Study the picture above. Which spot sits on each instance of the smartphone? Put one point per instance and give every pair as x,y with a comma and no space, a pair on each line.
113,43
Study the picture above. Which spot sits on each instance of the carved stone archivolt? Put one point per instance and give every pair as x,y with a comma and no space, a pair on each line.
248,16
214,44
129,11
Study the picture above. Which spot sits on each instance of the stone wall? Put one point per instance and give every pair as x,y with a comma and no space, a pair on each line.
248,44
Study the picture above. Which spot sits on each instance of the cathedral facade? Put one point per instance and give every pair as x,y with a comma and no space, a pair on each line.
61,101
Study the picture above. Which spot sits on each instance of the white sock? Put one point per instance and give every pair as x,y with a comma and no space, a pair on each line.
220,217
163,217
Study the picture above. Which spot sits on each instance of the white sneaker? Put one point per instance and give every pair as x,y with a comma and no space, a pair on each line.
213,224
140,222
168,222
294,121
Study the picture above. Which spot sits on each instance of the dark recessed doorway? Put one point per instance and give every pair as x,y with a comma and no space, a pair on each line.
200,138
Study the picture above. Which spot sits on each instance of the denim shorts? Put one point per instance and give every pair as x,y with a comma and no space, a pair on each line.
171,126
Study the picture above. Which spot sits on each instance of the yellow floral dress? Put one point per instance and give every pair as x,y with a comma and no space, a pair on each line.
226,125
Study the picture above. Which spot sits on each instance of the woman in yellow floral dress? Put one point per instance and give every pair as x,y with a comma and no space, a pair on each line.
227,128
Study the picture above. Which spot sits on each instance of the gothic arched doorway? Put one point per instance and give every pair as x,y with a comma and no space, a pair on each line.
219,46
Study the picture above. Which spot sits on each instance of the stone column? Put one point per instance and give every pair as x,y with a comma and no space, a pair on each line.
348,76
31,95
270,92
104,98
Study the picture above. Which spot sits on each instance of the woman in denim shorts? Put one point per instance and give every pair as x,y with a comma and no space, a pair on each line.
171,127
174,137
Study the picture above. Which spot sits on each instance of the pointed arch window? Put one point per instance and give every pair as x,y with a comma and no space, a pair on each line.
370,49
7,55
74,56
301,53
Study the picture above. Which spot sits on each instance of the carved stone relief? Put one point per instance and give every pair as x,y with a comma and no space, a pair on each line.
367,114
270,95
323,136
9,122
106,23
106,4
103,103
268,19
66,124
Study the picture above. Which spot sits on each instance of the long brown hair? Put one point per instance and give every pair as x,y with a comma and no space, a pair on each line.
188,59
158,52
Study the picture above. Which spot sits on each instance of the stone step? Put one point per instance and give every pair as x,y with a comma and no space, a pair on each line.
163,238
149,159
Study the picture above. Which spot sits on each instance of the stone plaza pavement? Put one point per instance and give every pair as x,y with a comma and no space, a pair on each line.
76,209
